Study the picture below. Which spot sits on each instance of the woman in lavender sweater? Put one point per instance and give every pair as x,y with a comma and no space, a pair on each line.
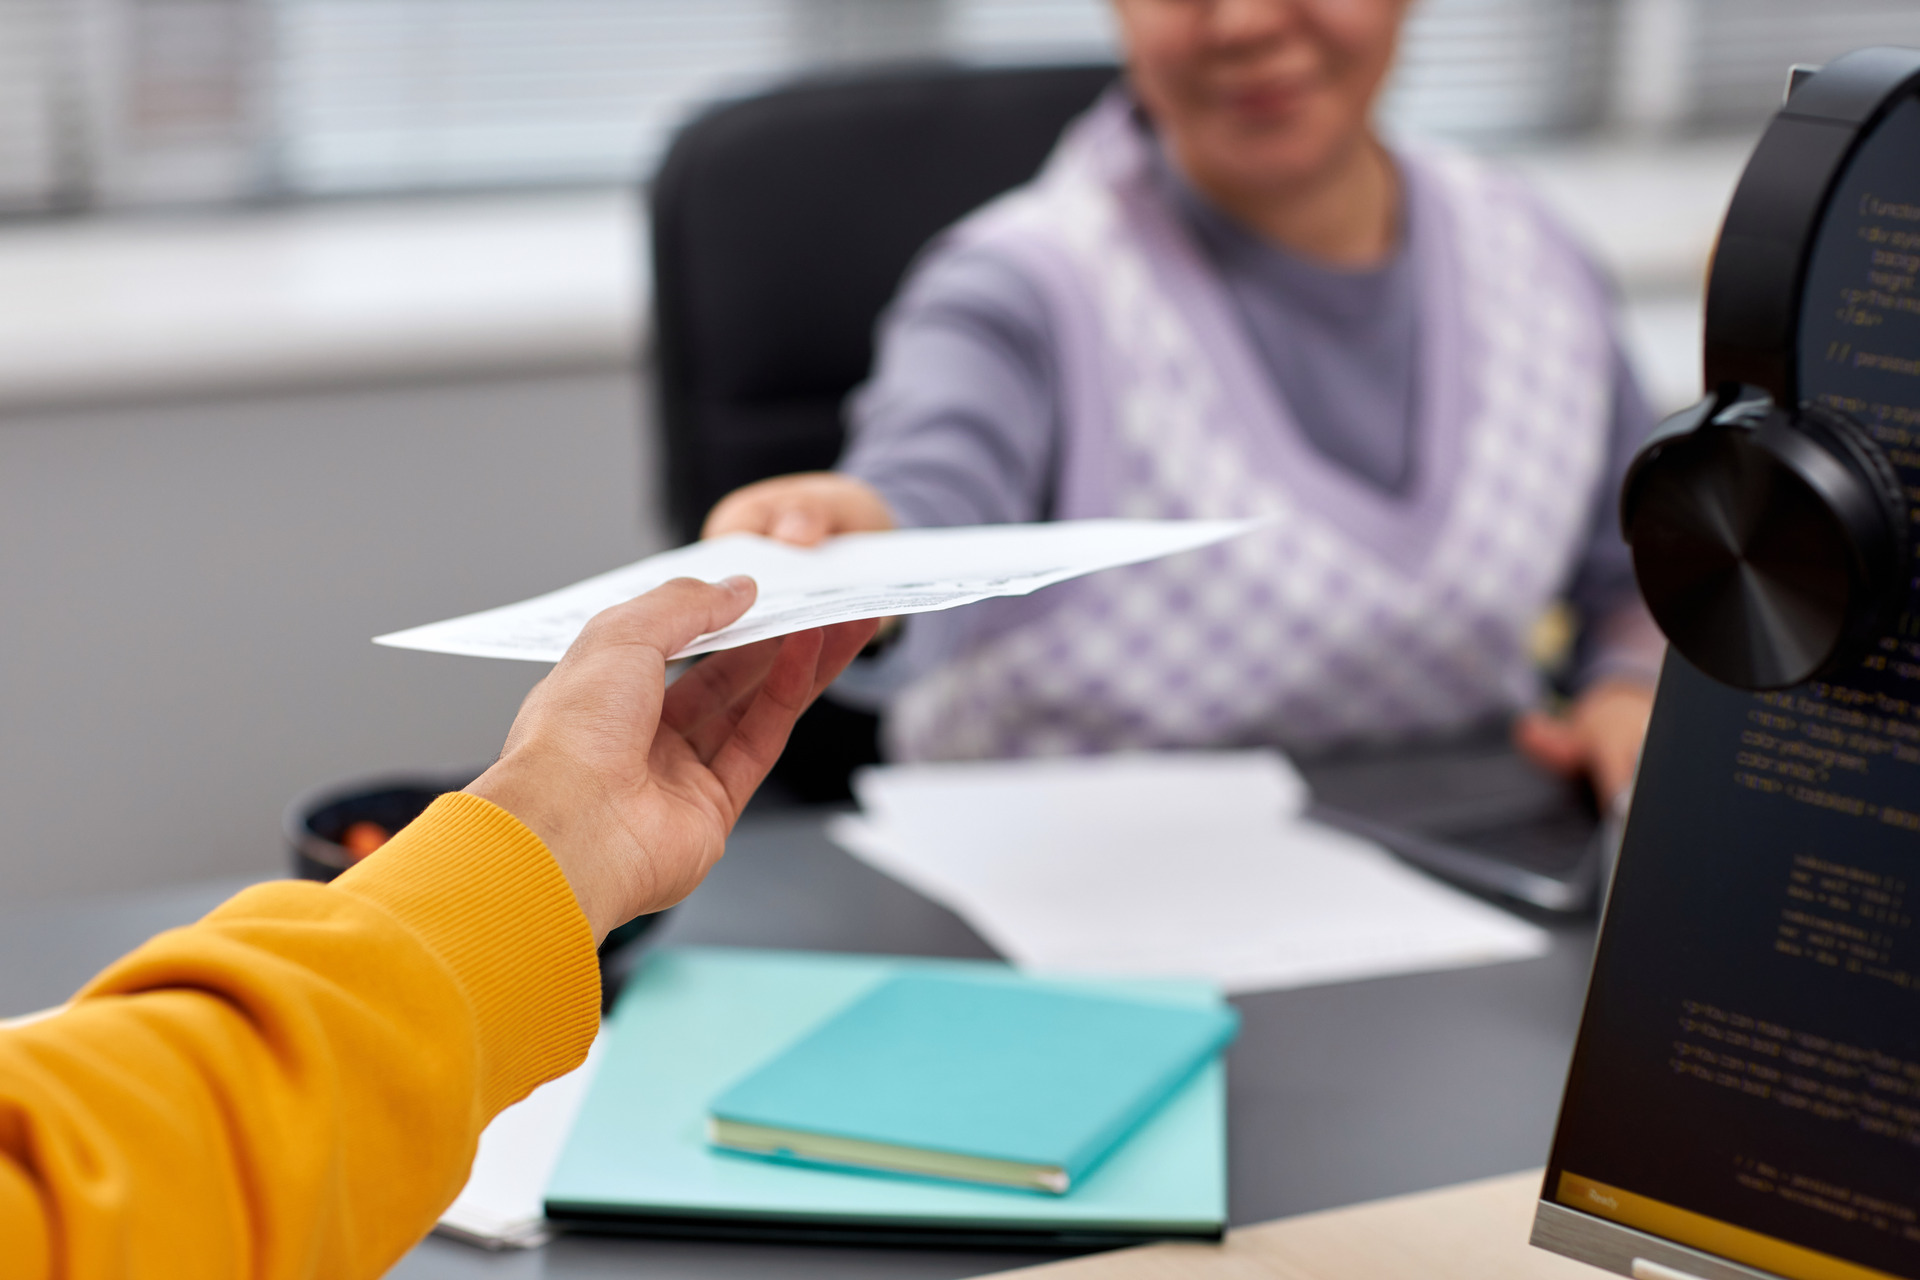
1225,296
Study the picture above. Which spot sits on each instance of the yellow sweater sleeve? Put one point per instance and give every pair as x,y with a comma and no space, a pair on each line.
294,1085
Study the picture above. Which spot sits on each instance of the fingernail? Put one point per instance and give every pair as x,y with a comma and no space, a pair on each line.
738,582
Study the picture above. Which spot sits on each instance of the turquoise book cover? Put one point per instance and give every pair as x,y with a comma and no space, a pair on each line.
1039,1075
694,1021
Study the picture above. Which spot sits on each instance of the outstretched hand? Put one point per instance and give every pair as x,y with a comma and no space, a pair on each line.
803,509
1599,736
634,784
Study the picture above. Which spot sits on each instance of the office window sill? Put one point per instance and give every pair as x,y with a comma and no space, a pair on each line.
119,309
122,309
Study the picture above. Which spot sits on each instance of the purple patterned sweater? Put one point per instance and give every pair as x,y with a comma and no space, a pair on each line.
1435,444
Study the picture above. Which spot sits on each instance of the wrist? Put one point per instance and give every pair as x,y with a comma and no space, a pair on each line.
477,888
558,819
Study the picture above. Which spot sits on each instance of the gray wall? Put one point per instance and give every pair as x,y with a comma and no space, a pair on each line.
187,593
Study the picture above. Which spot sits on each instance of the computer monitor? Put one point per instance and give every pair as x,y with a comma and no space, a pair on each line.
1744,1097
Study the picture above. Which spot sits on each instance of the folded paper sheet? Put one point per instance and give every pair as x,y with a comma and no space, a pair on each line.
859,575
1192,864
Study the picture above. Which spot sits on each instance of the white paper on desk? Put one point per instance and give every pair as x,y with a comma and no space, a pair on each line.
503,1205
1191,864
857,575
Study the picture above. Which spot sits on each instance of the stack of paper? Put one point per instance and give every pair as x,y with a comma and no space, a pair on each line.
1191,864
502,1205
857,575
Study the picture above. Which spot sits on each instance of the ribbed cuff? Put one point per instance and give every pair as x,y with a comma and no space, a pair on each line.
469,880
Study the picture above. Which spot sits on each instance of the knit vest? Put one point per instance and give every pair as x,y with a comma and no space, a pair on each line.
1352,613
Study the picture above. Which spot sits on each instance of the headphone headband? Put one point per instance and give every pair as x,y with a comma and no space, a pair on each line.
1758,278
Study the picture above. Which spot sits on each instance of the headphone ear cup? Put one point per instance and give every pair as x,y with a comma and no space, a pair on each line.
1886,553
1845,436
1767,545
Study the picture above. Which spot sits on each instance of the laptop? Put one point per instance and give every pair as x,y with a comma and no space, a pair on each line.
1471,809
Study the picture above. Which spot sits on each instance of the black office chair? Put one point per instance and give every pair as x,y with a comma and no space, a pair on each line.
782,224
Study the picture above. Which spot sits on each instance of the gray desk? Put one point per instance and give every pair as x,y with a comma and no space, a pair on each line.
1337,1094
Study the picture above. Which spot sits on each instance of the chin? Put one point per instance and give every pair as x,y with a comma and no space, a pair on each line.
1275,152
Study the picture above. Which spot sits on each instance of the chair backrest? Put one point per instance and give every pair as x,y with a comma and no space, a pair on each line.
783,223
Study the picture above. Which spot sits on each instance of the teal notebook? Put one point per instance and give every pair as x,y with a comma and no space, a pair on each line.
1021,1085
694,1021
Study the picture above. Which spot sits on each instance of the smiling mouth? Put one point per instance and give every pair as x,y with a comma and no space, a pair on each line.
1267,99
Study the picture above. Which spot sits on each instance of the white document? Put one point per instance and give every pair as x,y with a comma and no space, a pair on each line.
857,575
1190,864
503,1205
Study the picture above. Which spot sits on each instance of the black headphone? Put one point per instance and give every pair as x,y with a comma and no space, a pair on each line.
1770,533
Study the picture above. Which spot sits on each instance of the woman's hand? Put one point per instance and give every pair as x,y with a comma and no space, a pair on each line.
803,509
633,784
1599,736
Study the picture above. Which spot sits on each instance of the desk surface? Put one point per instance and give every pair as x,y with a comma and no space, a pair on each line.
1337,1094
1473,1232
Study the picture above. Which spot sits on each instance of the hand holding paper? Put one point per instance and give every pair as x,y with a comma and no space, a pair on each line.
859,575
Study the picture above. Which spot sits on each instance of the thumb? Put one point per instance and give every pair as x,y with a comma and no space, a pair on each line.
669,617
802,526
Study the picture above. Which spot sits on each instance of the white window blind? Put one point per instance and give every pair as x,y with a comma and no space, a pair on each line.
141,101
383,94
1031,30
173,98
1742,48
31,127
1493,70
